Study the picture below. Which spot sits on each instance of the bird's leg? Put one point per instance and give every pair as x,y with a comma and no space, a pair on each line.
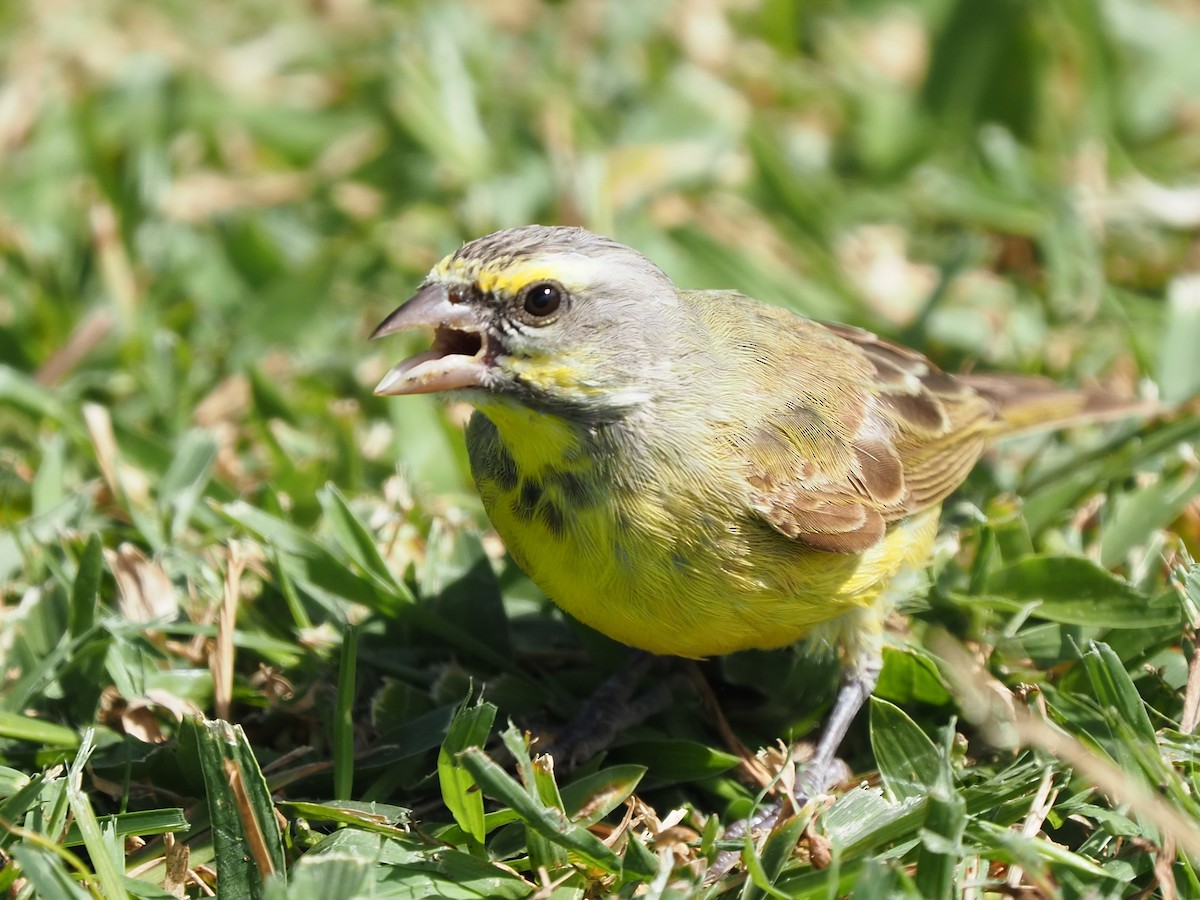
857,685
609,711
858,681
862,643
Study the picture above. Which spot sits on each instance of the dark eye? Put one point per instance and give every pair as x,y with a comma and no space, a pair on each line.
543,298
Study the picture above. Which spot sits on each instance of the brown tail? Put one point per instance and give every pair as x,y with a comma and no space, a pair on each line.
1028,403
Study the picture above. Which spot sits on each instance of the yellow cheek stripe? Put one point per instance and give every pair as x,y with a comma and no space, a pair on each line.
561,370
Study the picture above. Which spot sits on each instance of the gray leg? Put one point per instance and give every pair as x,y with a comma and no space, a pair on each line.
862,644
856,687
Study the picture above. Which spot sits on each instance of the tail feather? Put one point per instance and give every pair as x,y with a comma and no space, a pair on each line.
1029,403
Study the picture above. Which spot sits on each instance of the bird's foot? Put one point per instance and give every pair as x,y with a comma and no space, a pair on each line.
814,780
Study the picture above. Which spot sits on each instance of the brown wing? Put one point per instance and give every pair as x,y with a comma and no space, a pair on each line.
887,433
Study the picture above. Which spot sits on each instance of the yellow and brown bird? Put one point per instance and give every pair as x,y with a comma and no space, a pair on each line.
693,472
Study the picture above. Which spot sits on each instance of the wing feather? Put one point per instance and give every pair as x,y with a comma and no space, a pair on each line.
877,433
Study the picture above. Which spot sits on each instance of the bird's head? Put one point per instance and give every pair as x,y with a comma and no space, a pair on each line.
557,319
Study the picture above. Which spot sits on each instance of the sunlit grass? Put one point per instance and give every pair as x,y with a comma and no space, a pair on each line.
204,513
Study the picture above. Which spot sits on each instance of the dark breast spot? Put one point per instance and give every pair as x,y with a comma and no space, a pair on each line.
504,468
490,459
576,490
552,517
526,501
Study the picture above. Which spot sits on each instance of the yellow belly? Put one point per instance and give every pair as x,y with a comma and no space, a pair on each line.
672,570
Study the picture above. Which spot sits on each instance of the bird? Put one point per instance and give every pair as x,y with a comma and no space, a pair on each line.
693,472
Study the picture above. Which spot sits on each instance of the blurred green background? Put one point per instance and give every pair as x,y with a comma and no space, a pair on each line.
192,198
205,209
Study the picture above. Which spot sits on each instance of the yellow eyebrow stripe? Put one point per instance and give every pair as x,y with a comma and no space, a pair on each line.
505,278
511,281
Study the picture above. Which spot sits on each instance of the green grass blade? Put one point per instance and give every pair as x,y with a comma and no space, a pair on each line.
908,760
343,717
102,845
590,798
37,731
246,835
1075,591
46,875
550,823
143,823
85,597
460,792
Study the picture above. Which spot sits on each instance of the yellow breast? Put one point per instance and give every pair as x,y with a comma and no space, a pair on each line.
667,558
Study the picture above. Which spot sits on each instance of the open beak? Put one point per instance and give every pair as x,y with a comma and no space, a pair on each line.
458,357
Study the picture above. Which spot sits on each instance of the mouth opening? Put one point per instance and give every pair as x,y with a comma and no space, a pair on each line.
452,342
458,359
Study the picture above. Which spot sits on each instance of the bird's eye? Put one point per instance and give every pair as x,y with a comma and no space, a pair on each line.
542,299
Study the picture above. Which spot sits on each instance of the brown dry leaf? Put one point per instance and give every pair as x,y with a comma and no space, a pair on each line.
820,850
1164,868
100,430
679,840
139,716
271,682
178,707
144,591
204,877
251,827
114,789
138,721
85,336
1191,696
203,195
227,402
121,480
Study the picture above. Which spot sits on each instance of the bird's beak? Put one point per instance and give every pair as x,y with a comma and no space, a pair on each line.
458,357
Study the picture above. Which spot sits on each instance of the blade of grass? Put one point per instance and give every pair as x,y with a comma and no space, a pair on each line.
343,717
101,843
460,791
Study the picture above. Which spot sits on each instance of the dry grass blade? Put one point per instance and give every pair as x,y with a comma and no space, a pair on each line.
84,338
144,590
221,661
176,877
251,828
114,261
104,442
1191,696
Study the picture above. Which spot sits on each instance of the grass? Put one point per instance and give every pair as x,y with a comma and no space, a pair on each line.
255,634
